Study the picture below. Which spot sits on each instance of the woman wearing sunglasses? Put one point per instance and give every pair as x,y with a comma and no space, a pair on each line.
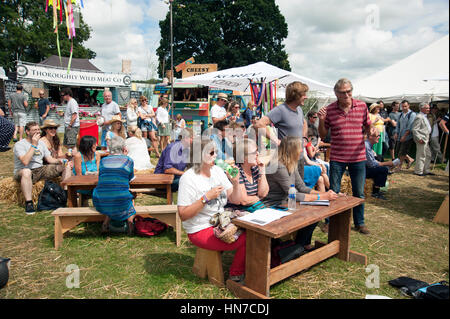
204,190
51,139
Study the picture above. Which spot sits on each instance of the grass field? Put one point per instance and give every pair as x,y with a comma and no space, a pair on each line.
404,242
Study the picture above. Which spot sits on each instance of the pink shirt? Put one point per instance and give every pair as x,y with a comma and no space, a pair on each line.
347,131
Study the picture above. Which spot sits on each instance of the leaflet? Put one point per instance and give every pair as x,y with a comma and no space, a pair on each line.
264,216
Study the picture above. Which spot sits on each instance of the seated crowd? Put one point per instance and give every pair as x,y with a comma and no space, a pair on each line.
204,188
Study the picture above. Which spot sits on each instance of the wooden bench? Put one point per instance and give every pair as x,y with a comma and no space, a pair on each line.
68,218
208,263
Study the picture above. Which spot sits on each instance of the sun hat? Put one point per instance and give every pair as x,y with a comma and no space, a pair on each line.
49,123
373,105
116,118
222,96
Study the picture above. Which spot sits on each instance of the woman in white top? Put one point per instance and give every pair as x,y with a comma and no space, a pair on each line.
132,112
162,117
203,191
137,149
179,125
148,126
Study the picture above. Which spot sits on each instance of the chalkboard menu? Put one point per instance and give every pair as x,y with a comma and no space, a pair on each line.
10,87
135,95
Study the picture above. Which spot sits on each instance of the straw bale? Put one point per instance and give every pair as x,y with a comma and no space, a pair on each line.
12,193
346,186
144,171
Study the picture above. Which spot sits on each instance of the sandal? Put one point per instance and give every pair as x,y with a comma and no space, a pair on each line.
409,163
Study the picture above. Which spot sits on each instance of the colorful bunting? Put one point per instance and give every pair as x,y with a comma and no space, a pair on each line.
67,6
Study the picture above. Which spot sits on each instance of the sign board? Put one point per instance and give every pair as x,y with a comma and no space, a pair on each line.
197,69
10,87
60,76
161,89
191,105
183,65
135,95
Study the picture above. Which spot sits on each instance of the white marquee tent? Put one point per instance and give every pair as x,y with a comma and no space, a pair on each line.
238,78
421,77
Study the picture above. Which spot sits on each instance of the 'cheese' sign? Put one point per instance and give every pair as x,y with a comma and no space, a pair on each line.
197,69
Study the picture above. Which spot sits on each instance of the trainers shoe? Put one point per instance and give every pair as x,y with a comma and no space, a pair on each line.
379,196
363,229
29,208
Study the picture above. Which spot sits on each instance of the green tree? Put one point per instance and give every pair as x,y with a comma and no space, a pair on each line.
229,33
27,34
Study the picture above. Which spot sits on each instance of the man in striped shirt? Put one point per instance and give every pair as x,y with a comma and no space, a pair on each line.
347,118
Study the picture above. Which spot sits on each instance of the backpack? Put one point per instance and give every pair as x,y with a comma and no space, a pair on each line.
284,251
147,226
51,197
420,289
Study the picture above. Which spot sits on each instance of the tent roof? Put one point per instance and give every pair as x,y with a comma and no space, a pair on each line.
413,78
80,64
238,78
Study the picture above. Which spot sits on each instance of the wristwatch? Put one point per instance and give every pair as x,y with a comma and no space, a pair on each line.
205,199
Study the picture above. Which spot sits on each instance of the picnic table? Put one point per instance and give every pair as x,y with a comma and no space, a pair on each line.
140,182
258,274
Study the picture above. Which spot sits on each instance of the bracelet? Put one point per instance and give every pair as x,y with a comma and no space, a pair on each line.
34,146
318,196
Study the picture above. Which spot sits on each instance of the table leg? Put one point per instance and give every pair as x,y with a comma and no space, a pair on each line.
257,262
71,197
339,229
169,194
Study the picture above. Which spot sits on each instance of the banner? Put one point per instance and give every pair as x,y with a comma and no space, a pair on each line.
74,78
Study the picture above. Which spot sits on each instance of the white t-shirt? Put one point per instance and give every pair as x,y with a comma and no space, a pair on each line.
218,111
137,150
109,110
71,107
435,130
22,147
192,187
162,116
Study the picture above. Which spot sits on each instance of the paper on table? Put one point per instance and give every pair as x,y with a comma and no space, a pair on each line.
264,216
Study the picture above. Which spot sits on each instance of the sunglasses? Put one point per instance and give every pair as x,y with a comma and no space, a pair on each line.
344,92
51,128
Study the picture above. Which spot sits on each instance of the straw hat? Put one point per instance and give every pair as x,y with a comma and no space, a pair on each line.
373,106
222,96
49,123
116,118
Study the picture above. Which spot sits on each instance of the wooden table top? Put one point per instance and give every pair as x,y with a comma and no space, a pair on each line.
143,179
304,215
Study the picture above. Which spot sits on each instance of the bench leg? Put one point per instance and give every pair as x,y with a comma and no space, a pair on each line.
58,232
209,263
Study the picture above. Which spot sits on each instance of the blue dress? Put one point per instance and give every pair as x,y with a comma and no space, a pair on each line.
112,195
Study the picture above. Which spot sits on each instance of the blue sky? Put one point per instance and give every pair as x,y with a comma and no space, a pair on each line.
328,39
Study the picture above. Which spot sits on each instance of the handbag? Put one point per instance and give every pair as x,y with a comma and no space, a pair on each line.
51,197
147,226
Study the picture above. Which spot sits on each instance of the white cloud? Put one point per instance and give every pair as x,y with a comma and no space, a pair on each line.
328,39
356,38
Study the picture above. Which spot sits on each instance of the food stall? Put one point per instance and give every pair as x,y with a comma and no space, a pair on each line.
86,81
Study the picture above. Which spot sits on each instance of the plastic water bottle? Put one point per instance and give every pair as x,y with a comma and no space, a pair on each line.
233,171
292,204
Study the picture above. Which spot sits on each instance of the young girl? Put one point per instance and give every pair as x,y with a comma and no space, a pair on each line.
148,126
117,129
162,116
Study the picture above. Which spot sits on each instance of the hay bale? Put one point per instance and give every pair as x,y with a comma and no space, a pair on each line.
346,186
144,171
12,193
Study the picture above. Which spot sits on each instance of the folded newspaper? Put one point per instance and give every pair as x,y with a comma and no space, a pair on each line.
264,216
